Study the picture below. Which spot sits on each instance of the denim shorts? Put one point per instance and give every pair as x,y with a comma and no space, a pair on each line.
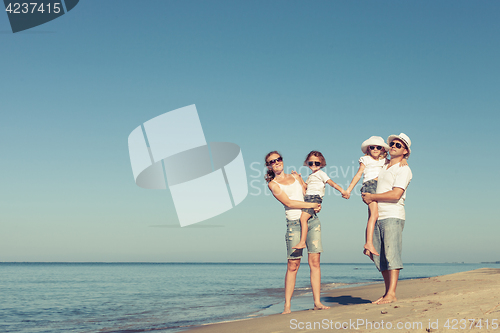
369,186
388,241
292,237
311,198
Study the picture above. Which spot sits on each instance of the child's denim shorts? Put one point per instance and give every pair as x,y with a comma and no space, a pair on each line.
369,186
311,198
292,237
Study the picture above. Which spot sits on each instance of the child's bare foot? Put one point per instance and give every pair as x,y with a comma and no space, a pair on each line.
371,248
301,245
320,306
368,253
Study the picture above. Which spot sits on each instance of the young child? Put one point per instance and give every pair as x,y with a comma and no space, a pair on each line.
314,190
375,150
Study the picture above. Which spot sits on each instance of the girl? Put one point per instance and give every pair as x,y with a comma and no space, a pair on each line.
314,190
375,150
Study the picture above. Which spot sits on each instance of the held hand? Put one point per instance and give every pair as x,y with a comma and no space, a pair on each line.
367,198
346,195
318,208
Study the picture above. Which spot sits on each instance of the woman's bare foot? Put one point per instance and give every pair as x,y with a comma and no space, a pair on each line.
287,309
320,306
378,300
301,245
387,299
371,248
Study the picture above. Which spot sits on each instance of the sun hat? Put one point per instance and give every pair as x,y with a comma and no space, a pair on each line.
374,141
403,137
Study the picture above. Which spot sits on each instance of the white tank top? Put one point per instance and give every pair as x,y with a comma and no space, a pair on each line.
294,192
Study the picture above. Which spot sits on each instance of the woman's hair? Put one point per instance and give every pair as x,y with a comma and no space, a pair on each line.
270,173
318,155
382,155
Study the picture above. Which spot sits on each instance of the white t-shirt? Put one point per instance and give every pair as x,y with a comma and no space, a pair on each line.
372,167
316,183
294,192
395,176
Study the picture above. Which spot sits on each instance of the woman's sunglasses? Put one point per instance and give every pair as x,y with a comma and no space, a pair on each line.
373,147
398,145
271,162
316,163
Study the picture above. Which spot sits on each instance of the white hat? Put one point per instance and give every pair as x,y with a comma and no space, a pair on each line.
374,141
403,137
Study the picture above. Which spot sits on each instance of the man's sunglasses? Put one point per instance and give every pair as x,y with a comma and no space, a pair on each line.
373,147
316,163
271,162
398,145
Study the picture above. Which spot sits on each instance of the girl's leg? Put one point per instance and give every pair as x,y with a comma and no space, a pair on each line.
369,249
290,277
316,280
303,230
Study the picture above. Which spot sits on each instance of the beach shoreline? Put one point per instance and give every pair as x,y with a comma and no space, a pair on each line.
456,302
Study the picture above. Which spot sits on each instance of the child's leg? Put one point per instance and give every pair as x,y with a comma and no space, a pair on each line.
303,233
370,226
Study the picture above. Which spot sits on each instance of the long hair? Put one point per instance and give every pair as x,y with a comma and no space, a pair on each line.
318,155
270,173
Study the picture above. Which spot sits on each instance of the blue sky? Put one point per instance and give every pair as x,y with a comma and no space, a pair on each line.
288,75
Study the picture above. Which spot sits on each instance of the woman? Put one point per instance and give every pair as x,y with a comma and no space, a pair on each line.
288,190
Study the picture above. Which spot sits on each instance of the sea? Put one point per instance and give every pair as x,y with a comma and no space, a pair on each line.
166,297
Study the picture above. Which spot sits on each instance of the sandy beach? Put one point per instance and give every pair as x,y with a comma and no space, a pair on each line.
461,302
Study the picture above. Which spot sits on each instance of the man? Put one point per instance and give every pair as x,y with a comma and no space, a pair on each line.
391,193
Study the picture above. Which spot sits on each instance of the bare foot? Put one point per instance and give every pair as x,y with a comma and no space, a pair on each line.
287,309
301,245
387,299
368,253
378,300
320,307
371,248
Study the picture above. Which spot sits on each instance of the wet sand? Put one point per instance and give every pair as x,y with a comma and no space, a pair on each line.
461,302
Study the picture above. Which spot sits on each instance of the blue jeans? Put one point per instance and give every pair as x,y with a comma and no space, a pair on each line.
292,237
370,186
311,198
388,241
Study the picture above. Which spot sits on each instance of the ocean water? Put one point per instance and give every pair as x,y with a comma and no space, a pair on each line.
165,297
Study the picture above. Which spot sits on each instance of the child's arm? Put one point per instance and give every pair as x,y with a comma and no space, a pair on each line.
335,186
355,180
301,181
404,162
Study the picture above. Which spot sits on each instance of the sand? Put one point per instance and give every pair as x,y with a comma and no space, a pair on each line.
460,302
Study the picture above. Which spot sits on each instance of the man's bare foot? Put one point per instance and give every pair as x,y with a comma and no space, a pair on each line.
378,300
368,253
320,307
287,309
371,248
387,299
301,245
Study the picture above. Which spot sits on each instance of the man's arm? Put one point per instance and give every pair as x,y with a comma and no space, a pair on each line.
392,196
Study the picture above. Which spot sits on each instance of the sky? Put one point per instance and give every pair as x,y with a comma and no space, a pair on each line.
292,76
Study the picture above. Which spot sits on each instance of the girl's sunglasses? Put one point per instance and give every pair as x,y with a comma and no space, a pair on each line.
398,145
271,162
373,147
316,163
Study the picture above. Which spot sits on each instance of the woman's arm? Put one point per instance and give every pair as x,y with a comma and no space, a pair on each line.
285,200
355,180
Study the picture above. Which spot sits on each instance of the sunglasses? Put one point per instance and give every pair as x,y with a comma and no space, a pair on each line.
316,163
271,162
398,145
377,147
